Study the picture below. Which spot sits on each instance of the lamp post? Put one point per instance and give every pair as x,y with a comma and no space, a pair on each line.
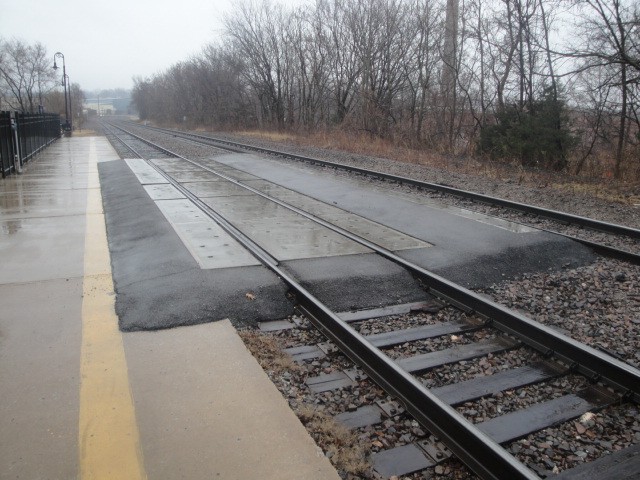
68,82
65,78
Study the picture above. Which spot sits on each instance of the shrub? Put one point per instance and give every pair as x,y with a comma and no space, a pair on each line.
539,137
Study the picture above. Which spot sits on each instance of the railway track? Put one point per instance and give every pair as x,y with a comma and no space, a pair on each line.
608,239
399,348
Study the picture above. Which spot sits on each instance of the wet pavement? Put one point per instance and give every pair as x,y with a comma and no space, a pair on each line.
466,247
160,283
79,398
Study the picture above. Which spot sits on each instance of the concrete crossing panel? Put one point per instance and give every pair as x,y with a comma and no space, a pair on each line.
209,244
145,173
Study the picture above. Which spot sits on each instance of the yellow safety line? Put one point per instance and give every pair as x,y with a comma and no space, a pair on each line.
109,445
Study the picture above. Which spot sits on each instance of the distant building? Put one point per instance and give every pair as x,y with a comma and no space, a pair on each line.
107,106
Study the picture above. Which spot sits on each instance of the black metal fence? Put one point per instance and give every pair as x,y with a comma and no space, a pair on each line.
22,135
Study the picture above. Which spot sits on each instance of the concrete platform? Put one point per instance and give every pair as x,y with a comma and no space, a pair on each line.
80,399
243,428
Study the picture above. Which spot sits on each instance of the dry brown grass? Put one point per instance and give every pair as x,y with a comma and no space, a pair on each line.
269,135
609,193
346,451
268,351
364,144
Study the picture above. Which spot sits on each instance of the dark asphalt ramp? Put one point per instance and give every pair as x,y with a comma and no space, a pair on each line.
551,252
356,282
157,281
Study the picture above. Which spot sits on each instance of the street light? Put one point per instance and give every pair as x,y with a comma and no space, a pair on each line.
68,82
65,80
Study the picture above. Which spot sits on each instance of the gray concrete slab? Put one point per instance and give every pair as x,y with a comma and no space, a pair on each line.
208,243
374,232
180,211
292,197
159,284
288,235
222,169
175,165
195,176
284,234
145,172
163,192
221,188
207,410
39,377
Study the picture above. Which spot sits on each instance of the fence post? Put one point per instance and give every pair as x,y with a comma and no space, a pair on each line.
17,160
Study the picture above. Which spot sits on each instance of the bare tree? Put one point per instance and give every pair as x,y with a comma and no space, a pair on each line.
610,39
437,73
423,61
342,58
255,33
25,74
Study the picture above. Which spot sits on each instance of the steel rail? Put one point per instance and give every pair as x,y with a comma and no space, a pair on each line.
125,144
478,451
467,443
521,207
582,358
249,244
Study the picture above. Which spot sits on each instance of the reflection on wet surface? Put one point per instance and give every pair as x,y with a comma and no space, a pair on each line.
460,212
49,201
221,188
50,185
145,173
207,242
11,227
285,234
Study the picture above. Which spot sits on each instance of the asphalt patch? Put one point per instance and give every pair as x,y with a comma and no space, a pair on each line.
158,284
549,253
356,282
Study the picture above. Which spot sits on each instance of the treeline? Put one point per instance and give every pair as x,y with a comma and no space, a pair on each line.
29,84
550,83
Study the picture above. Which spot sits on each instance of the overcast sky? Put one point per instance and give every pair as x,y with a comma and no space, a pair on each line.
106,43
